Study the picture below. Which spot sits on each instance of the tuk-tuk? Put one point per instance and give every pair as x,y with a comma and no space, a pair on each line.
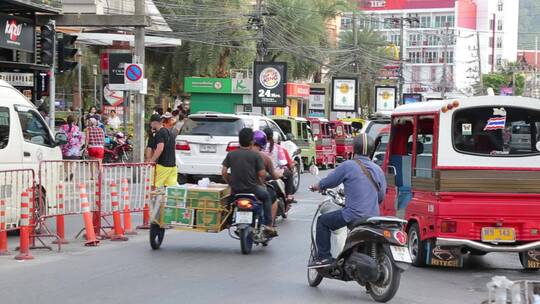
342,132
297,128
325,145
357,124
465,174
381,143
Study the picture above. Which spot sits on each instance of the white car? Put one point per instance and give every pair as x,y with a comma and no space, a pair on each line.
206,139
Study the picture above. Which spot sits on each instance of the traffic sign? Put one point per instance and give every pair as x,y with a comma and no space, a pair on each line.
133,77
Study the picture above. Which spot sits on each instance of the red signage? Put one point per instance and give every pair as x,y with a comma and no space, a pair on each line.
404,4
300,90
16,33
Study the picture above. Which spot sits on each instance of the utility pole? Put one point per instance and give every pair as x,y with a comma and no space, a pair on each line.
444,78
535,81
401,58
95,73
493,46
79,78
138,154
481,77
356,65
261,50
52,80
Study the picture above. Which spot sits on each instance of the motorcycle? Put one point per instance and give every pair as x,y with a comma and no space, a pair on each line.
248,221
118,148
370,251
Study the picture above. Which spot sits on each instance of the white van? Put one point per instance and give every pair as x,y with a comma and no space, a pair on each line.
25,140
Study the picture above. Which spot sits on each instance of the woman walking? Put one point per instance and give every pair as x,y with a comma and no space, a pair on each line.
95,140
71,150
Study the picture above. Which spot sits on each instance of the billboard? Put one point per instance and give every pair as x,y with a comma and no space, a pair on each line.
269,84
411,98
404,4
344,92
385,98
16,33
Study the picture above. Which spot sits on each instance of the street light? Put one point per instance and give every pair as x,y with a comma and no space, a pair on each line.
95,73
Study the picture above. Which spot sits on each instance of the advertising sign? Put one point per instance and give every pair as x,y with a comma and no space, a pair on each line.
117,63
16,33
208,85
411,98
317,98
385,98
344,92
242,86
269,87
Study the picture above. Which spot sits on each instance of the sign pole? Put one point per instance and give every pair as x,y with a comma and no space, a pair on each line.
138,155
52,82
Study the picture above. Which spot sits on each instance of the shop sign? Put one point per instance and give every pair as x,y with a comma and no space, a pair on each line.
385,98
242,86
269,84
18,79
117,64
317,98
344,92
411,98
16,33
208,85
297,90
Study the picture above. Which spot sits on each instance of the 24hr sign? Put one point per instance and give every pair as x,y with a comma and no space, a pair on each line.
269,89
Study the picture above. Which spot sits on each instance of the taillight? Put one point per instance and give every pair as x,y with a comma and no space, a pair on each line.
401,237
182,146
244,204
233,146
448,226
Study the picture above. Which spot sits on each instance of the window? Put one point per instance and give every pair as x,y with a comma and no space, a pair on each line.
34,128
499,60
275,128
443,21
4,127
499,131
500,5
346,23
499,42
394,39
491,24
425,21
212,126
499,25
490,59
285,126
491,42
433,74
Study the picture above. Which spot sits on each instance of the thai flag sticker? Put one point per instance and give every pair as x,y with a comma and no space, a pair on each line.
495,123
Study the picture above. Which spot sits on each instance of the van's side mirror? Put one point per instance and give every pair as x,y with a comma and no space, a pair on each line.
60,138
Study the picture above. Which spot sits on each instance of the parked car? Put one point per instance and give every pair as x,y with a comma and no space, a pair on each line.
297,128
206,139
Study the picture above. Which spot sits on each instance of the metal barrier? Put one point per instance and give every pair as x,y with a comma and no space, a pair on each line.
140,178
12,184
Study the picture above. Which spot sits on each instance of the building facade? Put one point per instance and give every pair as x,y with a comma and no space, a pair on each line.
442,36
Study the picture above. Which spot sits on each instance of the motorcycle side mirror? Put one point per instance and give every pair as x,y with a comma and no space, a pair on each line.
314,170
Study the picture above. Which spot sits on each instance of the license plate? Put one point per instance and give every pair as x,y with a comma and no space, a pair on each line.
499,235
401,254
207,148
244,217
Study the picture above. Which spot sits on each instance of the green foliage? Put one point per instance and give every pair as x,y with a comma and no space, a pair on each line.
504,78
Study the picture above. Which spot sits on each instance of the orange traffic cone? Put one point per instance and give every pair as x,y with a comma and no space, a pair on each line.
3,231
91,239
127,213
60,215
146,208
24,237
117,233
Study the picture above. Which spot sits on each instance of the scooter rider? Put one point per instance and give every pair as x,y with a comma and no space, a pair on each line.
248,175
281,160
365,188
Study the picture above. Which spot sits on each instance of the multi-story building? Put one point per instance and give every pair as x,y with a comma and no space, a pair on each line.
444,32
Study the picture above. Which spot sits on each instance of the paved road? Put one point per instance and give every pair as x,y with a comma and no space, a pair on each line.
206,268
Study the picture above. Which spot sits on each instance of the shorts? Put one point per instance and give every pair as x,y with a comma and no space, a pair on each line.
166,176
96,152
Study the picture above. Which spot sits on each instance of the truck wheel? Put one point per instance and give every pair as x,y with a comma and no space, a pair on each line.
417,247
182,179
523,260
156,236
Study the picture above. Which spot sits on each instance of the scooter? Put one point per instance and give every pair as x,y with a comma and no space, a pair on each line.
370,251
117,149
248,221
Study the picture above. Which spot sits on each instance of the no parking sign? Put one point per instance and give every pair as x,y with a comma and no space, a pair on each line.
133,76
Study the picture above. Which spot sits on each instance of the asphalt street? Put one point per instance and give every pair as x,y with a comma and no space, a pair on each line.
209,268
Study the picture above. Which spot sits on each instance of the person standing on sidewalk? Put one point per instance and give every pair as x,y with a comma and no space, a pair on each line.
164,154
95,140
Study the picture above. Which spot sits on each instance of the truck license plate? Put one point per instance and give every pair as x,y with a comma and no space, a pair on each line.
207,148
244,217
401,254
499,235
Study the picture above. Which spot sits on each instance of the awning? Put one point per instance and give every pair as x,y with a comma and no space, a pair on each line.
107,39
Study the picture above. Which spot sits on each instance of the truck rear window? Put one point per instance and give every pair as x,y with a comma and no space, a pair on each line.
4,127
497,131
212,126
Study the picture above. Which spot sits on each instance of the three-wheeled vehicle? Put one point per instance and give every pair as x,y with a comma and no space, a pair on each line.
342,131
325,144
297,129
381,144
465,175
357,124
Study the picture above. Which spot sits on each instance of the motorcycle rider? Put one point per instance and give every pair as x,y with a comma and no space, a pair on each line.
248,175
282,160
365,187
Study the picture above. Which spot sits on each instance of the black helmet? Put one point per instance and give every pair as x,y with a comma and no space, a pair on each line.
363,145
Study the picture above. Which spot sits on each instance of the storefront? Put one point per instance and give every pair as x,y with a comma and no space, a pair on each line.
297,101
223,95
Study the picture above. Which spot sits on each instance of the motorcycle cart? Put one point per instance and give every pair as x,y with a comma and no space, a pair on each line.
357,125
342,132
325,153
298,130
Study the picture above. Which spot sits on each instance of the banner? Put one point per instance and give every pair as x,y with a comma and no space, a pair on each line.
269,89
344,92
385,98
16,33
317,98
117,63
411,98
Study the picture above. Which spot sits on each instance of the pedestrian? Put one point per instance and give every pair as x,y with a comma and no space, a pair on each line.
151,146
158,110
93,113
72,149
95,140
114,121
164,153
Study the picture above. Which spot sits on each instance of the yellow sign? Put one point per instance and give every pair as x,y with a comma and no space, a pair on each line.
344,88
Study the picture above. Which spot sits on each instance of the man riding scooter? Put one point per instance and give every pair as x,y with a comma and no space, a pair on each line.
365,188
